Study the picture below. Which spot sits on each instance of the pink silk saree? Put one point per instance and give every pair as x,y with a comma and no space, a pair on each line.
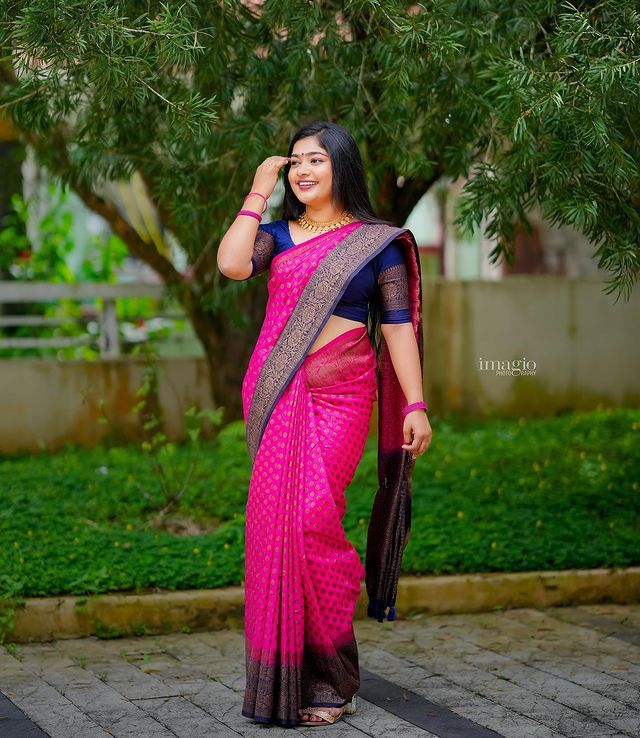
307,419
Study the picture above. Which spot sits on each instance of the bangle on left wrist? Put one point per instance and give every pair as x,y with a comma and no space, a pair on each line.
417,405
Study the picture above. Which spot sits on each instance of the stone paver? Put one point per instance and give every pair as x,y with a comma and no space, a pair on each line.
553,673
44,704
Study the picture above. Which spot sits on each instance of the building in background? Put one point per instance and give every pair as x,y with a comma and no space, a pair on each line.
449,253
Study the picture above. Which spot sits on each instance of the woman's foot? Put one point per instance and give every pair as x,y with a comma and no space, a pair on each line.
310,718
327,715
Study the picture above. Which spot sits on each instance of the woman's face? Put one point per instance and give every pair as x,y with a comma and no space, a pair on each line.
310,162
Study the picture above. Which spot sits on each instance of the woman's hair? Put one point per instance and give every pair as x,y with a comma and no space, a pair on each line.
349,184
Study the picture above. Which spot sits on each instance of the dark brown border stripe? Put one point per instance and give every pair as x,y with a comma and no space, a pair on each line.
15,724
418,710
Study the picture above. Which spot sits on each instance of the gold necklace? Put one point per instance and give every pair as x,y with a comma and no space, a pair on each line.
318,226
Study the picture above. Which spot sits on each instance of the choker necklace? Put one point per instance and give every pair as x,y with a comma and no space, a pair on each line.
318,226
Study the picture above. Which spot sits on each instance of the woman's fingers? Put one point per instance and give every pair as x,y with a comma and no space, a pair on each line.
411,440
419,445
274,163
412,447
426,441
417,440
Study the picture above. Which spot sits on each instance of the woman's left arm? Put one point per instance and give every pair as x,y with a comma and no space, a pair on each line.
403,349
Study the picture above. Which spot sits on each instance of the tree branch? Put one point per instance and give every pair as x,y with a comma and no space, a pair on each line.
145,251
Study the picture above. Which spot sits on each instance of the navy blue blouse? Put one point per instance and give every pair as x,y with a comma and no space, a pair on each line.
387,272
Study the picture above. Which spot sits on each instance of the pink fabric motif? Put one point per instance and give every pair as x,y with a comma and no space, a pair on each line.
298,560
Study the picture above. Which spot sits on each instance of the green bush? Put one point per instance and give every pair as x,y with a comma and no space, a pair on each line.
500,495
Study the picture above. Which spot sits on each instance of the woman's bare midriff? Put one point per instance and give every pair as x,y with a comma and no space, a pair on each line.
335,326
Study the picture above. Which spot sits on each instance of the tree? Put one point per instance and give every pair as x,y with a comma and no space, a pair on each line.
534,102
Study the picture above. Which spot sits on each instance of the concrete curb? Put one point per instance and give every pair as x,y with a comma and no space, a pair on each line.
120,614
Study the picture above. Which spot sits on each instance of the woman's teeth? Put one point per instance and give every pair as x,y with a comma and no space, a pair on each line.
306,184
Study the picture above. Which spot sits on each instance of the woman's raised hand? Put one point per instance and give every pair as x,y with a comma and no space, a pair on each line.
266,175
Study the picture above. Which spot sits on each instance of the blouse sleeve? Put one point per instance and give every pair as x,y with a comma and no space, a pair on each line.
393,286
263,250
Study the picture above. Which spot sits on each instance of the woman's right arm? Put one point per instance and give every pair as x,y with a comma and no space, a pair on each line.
236,247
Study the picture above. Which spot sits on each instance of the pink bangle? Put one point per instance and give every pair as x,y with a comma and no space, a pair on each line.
251,213
259,195
421,405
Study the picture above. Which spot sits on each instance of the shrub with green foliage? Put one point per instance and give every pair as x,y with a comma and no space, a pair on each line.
503,495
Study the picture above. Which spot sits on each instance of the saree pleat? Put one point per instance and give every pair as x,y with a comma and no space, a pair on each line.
302,574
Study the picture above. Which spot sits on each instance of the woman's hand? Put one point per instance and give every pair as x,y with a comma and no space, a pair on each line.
417,432
266,176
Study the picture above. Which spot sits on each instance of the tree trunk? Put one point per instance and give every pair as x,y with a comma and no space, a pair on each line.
396,203
228,350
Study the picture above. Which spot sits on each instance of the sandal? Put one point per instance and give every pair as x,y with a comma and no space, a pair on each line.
327,717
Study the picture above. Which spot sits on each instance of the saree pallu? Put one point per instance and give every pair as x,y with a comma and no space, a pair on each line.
307,418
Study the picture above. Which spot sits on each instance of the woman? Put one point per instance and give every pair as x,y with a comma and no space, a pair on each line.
307,397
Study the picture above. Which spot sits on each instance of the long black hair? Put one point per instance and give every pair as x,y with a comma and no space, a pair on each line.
349,188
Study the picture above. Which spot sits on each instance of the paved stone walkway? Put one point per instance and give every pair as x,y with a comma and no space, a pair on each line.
572,672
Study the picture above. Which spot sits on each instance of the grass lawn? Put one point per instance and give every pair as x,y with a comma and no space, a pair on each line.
488,496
